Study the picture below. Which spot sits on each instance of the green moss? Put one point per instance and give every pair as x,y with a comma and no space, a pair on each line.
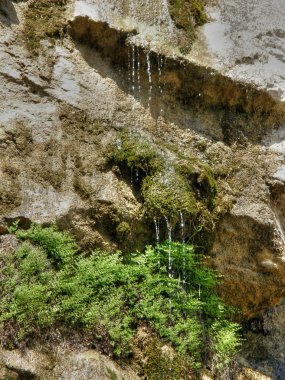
164,365
138,153
187,14
202,178
10,193
123,230
167,186
44,19
168,193
112,375
198,12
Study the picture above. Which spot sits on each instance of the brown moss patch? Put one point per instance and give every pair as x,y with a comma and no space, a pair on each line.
10,193
44,19
188,13
154,360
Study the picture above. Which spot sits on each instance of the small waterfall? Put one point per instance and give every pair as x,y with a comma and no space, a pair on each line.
156,224
129,69
169,230
139,71
182,226
149,77
133,68
160,68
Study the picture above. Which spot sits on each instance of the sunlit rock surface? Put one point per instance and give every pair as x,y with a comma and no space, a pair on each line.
61,113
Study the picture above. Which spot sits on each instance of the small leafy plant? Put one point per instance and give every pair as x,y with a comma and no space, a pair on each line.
45,283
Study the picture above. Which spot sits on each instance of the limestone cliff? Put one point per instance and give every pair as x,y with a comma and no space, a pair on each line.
78,76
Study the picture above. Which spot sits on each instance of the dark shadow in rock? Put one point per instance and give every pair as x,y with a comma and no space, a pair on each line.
8,14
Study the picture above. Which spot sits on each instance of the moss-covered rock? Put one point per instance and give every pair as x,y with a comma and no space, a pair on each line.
169,183
138,153
168,193
44,19
187,13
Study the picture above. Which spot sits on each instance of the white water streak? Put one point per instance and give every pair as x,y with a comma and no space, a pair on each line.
133,68
160,68
149,78
139,69
169,230
182,225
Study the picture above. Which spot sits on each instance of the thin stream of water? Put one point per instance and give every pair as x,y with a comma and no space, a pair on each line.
149,78
169,230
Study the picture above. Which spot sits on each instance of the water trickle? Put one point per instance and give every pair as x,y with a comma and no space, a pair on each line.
182,225
160,68
132,179
139,72
156,224
137,175
149,78
129,69
169,230
133,68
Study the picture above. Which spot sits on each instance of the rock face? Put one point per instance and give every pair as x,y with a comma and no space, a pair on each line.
63,109
246,40
62,364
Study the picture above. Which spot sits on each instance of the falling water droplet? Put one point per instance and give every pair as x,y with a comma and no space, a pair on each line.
160,67
156,224
129,68
133,68
182,225
149,77
138,70
132,179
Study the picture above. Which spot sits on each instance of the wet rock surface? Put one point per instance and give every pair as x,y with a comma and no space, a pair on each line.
61,115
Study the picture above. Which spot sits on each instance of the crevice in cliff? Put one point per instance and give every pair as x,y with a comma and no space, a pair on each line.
176,89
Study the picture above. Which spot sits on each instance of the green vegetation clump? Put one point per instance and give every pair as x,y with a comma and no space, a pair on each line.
167,187
138,153
44,19
45,284
188,13
167,193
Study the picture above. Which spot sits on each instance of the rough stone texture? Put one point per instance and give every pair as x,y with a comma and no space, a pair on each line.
265,347
61,112
246,40
62,364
